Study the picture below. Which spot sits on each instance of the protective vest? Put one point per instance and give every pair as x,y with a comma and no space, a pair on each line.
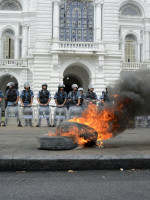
82,97
74,98
107,97
90,95
44,97
26,98
60,99
12,95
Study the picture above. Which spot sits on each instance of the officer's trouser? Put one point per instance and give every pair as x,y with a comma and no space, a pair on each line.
139,121
60,115
28,115
75,111
44,111
0,114
100,106
12,110
148,121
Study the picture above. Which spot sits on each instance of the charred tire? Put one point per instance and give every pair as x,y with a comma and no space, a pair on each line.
88,133
56,143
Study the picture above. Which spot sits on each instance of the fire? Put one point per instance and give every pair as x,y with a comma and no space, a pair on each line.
100,121
106,122
75,134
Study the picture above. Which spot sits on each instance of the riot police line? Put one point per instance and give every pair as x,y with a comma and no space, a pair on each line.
67,105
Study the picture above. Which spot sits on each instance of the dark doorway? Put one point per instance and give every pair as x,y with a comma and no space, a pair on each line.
68,81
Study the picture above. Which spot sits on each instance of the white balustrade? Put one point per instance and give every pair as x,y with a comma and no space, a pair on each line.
77,46
133,66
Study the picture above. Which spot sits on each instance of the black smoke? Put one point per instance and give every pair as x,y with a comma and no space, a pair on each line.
132,93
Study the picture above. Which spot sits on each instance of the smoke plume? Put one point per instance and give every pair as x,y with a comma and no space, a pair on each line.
132,94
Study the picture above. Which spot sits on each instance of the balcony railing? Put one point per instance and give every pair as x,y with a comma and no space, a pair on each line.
77,46
133,66
13,63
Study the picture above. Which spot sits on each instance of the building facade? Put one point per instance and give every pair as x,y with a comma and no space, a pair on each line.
72,41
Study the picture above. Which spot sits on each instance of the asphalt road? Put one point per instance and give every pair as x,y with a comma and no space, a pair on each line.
80,185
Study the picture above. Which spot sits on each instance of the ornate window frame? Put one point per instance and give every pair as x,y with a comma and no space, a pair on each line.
131,48
10,5
11,41
130,9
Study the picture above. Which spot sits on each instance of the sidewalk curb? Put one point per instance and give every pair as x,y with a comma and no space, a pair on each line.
73,164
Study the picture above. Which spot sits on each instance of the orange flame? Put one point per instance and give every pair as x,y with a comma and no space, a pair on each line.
99,121
104,122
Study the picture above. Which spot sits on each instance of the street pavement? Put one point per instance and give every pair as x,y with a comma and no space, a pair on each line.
19,151
79,185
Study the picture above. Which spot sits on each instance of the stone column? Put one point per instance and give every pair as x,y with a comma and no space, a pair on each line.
25,41
56,20
98,21
16,56
1,53
138,53
147,45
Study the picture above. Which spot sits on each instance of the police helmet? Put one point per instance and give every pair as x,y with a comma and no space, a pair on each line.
74,86
61,86
80,89
11,84
108,87
44,84
90,87
26,85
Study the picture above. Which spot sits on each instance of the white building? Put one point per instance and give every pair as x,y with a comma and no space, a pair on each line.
75,41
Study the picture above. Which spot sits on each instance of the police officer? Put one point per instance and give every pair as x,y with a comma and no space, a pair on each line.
107,96
12,98
91,96
1,98
74,98
82,97
44,98
60,100
26,99
102,97
101,100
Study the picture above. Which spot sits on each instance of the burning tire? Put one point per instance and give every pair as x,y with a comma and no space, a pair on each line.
85,131
56,143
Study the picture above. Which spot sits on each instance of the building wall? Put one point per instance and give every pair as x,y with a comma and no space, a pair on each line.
46,62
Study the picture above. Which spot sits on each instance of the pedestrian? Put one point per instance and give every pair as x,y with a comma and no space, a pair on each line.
44,98
26,99
91,96
12,109
1,98
60,113
74,98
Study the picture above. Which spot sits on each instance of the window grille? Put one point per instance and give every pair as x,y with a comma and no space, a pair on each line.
76,21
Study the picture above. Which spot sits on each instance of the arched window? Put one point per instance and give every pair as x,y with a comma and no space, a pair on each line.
130,48
8,44
76,21
130,9
10,5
